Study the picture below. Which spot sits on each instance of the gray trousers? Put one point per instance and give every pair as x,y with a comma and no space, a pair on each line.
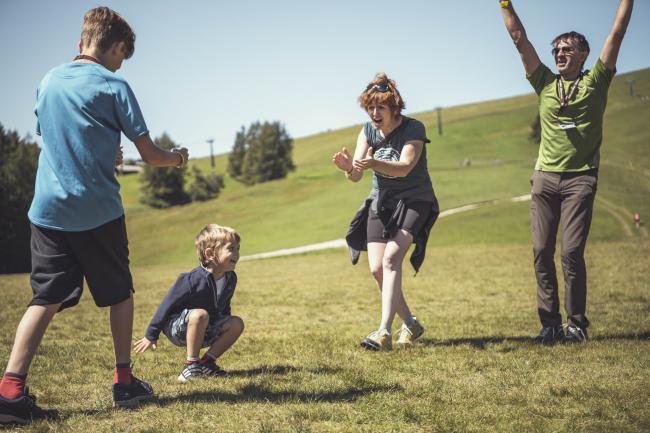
565,199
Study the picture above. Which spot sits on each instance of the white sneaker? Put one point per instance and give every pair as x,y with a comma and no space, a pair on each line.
378,340
408,334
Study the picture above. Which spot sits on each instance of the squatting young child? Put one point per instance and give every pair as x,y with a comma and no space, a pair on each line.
196,311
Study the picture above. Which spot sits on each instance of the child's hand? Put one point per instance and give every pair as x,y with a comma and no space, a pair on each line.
144,344
120,157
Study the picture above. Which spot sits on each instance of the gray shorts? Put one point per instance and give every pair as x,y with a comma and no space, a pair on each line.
176,329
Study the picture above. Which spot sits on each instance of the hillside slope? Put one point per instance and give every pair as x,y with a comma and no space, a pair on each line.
315,203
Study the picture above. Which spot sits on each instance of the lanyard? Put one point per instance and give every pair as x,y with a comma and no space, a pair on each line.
85,57
564,99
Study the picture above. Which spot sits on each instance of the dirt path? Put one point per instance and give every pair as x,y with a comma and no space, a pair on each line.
623,216
340,243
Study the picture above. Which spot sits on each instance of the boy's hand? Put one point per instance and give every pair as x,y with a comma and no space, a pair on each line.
143,345
120,157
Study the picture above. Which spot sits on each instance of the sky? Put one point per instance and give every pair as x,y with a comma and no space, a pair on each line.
203,69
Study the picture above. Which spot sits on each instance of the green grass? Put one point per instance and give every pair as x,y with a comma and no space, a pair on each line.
298,367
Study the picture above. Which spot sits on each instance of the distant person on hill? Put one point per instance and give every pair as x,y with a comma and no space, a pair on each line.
401,208
195,313
571,107
78,226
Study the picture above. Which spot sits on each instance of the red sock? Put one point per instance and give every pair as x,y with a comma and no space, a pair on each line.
207,358
122,375
12,386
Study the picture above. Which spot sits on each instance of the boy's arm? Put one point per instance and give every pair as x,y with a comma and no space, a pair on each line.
119,159
154,155
178,294
517,32
609,53
143,345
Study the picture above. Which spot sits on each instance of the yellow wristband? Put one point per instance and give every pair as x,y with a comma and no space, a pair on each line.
504,3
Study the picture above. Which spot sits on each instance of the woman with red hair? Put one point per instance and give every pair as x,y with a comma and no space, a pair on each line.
401,208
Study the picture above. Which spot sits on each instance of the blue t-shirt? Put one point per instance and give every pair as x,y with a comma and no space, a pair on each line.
81,109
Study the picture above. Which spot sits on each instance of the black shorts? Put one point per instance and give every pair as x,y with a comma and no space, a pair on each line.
413,221
61,260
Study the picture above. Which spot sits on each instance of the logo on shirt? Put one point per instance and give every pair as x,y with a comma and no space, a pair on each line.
386,154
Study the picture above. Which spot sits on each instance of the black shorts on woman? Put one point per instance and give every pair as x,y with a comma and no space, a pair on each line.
396,203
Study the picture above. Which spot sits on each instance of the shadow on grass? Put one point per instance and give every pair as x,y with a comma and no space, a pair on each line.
476,342
260,393
278,370
482,342
645,335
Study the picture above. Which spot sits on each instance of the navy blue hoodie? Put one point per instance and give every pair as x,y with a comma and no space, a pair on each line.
194,289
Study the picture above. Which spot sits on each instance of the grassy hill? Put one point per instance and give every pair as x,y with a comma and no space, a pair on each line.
315,203
298,366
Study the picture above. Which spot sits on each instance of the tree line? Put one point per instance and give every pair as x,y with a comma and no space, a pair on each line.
261,153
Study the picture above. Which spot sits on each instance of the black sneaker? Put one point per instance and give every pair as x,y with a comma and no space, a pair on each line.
550,335
213,369
131,395
575,334
200,371
23,410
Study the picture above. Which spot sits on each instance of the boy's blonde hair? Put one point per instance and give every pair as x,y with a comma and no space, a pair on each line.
214,236
103,27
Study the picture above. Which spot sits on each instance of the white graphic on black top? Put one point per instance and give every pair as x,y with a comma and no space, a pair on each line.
387,154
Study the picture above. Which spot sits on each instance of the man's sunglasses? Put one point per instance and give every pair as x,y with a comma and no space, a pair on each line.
383,88
567,50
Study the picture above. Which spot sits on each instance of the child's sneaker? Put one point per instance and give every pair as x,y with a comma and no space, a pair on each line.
408,334
23,410
213,369
200,371
378,340
131,395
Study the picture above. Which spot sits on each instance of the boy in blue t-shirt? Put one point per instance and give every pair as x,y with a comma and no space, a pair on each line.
77,218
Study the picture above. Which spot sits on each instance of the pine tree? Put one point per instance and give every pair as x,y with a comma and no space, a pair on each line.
253,155
163,186
268,153
18,162
236,157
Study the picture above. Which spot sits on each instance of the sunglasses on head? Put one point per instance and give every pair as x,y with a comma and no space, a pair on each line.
555,51
383,88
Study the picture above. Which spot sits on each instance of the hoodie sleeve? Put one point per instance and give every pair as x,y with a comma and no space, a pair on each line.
178,294
233,283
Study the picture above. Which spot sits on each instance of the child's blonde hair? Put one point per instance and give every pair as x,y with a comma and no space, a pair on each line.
214,236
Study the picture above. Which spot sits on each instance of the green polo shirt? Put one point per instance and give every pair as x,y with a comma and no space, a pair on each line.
571,140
